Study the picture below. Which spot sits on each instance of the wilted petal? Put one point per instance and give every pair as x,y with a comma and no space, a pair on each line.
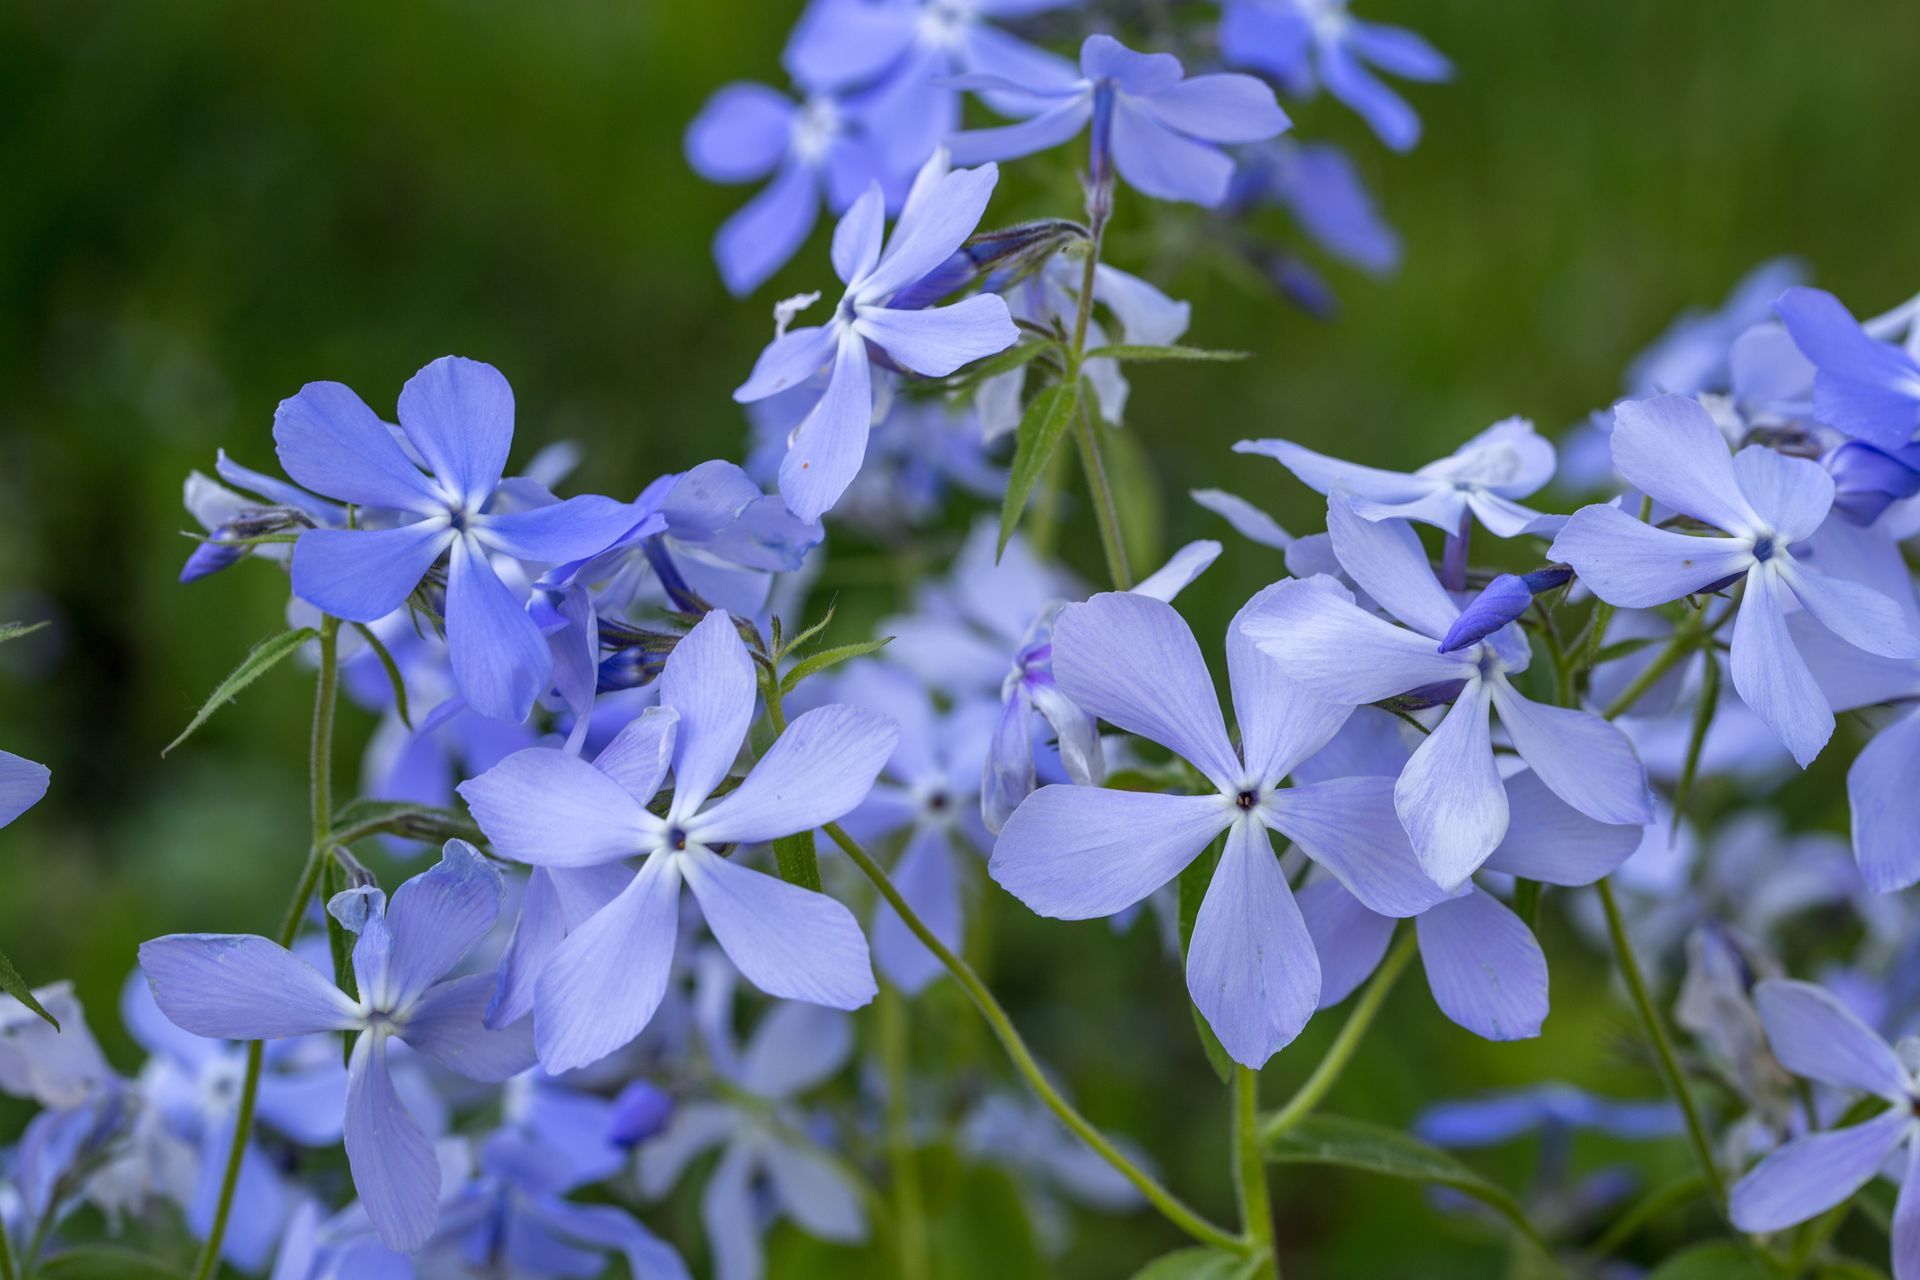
1486,969
1251,966
1075,853
788,941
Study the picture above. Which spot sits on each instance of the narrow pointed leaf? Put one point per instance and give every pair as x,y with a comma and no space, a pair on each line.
1041,429
1127,352
818,662
14,985
266,655
1200,1264
14,630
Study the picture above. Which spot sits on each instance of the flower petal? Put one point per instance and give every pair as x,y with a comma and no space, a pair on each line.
1164,164
601,986
1669,448
928,879
571,530
362,575
1340,651
1886,806
640,755
1219,108
459,414
449,1025
1810,1175
1549,840
1251,967
763,234
1485,967
1074,853
1450,797
1770,675
1281,723
22,783
229,986
1793,495
709,681
1635,566
1858,614
815,773
501,661
1814,1035
330,442
1587,762
830,443
1349,939
740,134
788,941
794,1048
858,235
395,1170
1132,661
1385,559
936,341
1050,128
546,808
929,233
438,916
1348,826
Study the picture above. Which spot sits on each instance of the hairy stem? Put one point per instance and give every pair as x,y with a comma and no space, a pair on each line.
1104,509
909,1208
1656,1029
1341,1051
1250,1174
1022,1057
320,770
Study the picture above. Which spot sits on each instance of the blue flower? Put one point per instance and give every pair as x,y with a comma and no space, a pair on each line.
1319,185
1450,796
1160,128
1304,43
827,447
1863,386
598,988
1816,1037
1079,852
241,987
22,783
1764,503
813,149
457,415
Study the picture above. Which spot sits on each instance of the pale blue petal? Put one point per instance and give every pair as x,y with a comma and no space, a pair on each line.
1219,108
1075,853
571,530
1384,110
926,236
858,235
363,575
1385,559
330,442
1349,939
546,808
229,986
1549,840
1586,761
741,133
1178,573
439,915
1669,448
793,358
795,1047
815,773
1486,969
449,1025
790,942
1281,722
937,341
815,1192
1885,806
458,414
1814,1035
928,878
1792,495
1161,163
709,681
1635,566
1050,128
1340,651
1810,1175
22,783
600,987
1348,826
1770,675
501,661
766,231
1248,521
830,443
1251,966
1857,614
1450,797
394,1166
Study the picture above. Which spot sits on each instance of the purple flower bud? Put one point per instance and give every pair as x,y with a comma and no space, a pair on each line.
1866,481
1500,602
640,1112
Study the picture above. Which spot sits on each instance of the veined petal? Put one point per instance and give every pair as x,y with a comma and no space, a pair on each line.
439,915
395,1170
938,340
1281,722
1814,1035
546,808
929,880
362,575
571,530
1587,762
1349,939
941,225
830,443
1770,675
1669,448
1450,797
1251,967
640,754
1340,651
1386,560
330,442
1485,967
1075,853
815,773
459,414
501,661
788,941
1886,806
449,1025
1549,840
1132,661
793,358
1792,495
1635,566
601,986
1348,826
229,986
1857,614
1166,165
1810,1175
709,681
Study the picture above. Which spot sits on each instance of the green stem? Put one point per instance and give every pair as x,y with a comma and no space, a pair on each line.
320,769
1165,1201
1645,1210
7,1271
1256,1205
1656,1029
1343,1046
1682,644
909,1208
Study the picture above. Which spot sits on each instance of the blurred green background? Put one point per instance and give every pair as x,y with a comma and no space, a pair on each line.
206,204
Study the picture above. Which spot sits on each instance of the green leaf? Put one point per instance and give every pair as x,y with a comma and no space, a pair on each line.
14,630
1703,712
813,664
797,862
265,656
16,986
1041,428
1124,351
1357,1144
1200,1264
1848,1269
1622,648
392,669
104,1262
807,637
1720,1260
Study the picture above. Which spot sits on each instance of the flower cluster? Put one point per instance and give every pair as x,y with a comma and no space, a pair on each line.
1454,706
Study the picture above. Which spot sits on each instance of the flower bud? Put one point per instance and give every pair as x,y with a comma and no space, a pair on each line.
1500,602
